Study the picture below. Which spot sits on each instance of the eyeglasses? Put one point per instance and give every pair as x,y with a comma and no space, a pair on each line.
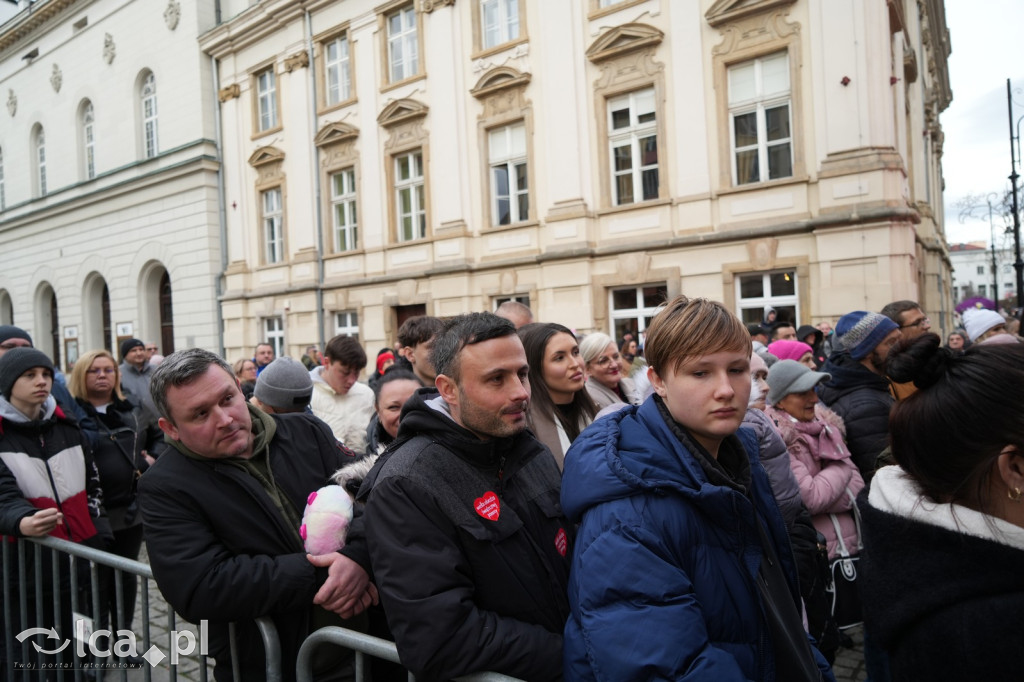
151,348
919,323
605,359
101,370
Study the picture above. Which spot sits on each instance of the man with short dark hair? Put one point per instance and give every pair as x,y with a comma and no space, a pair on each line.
784,331
908,315
263,356
859,390
415,340
338,397
222,508
468,544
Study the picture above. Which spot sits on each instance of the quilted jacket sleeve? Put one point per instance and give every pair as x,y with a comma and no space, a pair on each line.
13,505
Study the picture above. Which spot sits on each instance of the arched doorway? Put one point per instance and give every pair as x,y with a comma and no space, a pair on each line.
96,319
47,336
6,308
166,316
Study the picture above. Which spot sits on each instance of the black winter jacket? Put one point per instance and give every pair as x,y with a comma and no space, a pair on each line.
117,452
863,400
945,605
222,551
470,548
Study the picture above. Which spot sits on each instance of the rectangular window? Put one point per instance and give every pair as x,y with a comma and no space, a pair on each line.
982,290
347,322
339,71
633,309
403,44
266,102
273,226
41,162
343,208
608,3
981,269
149,116
510,195
273,332
761,290
633,142
498,300
760,119
90,146
409,196
500,21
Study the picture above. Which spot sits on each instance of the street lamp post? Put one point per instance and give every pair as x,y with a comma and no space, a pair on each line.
968,208
1018,264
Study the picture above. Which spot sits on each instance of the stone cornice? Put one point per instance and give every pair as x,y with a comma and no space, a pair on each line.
30,20
252,25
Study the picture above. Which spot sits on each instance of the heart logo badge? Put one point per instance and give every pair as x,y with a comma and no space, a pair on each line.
561,543
488,506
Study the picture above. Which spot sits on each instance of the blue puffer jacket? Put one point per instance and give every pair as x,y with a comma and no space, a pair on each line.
663,581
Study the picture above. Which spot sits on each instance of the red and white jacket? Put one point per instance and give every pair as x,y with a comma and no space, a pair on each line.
44,464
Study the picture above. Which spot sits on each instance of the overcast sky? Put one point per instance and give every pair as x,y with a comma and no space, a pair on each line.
988,47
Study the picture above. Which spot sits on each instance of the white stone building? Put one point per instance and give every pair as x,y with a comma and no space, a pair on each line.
973,273
108,175
585,156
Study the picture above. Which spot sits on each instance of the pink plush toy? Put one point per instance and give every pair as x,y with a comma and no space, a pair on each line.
325,520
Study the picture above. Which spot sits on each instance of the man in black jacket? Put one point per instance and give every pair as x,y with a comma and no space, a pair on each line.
859,390
222,508
469,546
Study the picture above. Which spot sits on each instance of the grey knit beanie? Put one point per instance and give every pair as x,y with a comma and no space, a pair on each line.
284,384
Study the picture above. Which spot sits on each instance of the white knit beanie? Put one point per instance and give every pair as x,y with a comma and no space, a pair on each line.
977,321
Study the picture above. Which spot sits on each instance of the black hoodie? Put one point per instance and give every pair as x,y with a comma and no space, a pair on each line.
469,547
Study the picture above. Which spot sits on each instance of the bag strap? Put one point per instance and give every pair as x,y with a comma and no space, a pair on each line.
844,552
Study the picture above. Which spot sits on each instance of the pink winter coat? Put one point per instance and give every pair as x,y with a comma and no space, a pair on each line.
824,471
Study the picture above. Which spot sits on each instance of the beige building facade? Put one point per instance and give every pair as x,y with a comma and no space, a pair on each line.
109,169
586,157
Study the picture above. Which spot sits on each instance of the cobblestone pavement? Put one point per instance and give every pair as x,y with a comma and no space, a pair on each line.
849,664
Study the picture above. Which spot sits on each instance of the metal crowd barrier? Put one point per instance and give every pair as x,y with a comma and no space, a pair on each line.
68,555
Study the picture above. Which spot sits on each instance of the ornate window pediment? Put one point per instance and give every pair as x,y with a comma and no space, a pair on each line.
401,111
499,79
266,155
335,133
622,39
725,11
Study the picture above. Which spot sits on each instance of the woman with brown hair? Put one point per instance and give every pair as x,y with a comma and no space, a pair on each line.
560,407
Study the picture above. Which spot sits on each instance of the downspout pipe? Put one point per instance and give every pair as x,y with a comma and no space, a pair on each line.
317,190
221,207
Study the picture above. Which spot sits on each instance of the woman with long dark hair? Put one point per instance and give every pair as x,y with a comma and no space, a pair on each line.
943,562
560,407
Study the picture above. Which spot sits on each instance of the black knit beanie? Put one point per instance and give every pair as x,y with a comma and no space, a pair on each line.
16,362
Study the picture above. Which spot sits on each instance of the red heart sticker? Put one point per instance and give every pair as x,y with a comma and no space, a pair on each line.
560,541
488,506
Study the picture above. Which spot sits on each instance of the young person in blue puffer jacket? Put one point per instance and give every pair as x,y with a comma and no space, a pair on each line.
682,568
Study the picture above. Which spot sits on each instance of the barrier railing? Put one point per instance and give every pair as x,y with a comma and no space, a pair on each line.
65,662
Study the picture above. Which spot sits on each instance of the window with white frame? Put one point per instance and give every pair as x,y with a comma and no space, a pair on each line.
266,99
632,309
339,70
343,205
346,322
403,44
40,149
2,197
500,21
761,290
608,3
498,300
88,142
273,332
633,142
409,196
760,116
273,226
147,98
510,195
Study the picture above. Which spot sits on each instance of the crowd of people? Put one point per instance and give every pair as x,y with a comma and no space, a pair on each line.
706,500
